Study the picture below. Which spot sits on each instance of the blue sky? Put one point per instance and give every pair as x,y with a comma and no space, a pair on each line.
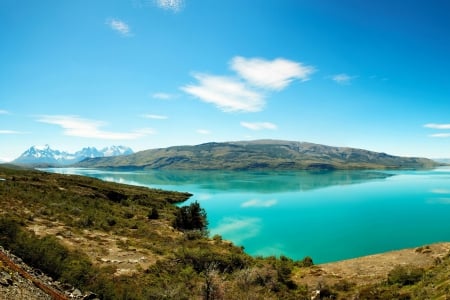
157,73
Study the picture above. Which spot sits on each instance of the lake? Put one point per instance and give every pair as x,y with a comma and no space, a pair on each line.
328,215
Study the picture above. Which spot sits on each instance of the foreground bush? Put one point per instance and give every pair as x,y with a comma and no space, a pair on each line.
405,275
46,254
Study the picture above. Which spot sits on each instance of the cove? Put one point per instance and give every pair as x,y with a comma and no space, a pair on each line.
328,215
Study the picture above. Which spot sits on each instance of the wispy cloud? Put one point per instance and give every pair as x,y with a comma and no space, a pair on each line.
440,135
259,125
173,5
119,26
12,132
204,131
437,126
4,112
228,94
273,75
79,127
163,96
259,203
342,78
155,117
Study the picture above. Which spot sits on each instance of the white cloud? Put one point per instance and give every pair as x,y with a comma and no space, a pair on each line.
6,159
163,96
119,26
440,135
342,78
4,112
437,126
228,94
273,75
259,203
79,127
245,92
203,131
259,125
173,5
12,132
155,117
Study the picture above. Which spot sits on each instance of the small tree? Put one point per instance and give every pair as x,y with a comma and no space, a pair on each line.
191,217
153,215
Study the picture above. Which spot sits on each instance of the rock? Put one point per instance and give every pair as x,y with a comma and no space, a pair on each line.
90,296
77,293
5,279
315,295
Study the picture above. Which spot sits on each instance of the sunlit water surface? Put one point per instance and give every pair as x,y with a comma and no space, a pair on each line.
326,215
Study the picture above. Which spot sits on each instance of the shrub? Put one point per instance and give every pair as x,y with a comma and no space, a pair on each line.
153,214
191,217
217,238
343,285
128,215
46,254
111,222
405,275
305,262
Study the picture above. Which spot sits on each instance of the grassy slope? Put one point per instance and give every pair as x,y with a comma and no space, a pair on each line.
263,154
113,248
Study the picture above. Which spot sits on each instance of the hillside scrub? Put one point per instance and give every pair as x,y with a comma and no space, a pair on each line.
187,263
181,261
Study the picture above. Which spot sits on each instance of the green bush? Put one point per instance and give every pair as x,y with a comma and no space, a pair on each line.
191,217
305,262
405,275
153,214
46,254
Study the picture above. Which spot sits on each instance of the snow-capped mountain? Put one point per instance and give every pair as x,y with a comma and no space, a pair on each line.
116,151
44,155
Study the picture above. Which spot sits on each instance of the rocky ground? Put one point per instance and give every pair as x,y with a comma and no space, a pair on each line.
18,281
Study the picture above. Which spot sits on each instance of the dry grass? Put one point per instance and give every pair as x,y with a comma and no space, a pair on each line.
373,268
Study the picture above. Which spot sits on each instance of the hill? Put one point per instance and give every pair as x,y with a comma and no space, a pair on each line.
46,156
126,242
256,155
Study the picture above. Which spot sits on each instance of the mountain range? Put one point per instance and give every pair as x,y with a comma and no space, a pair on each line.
45,155
258,155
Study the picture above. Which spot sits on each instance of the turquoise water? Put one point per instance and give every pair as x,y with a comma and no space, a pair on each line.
327,215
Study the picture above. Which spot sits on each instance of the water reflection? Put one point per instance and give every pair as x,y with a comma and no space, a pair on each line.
235,181
238,229
327,215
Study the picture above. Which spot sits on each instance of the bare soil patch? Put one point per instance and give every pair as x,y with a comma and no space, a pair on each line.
101,247
373,268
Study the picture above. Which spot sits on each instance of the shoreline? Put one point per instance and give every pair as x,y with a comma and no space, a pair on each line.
373,268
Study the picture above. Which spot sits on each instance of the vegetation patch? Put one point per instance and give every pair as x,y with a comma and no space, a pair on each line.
125,242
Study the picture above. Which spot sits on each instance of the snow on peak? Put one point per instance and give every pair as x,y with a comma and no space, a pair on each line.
116,150
45,147
46,155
